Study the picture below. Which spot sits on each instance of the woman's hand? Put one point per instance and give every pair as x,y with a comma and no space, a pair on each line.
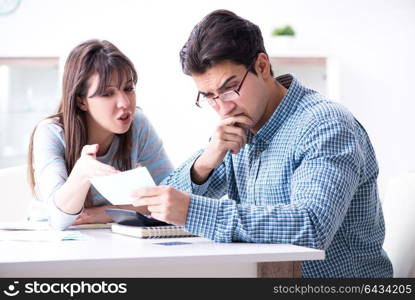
87,166
93,215
97,215
70,197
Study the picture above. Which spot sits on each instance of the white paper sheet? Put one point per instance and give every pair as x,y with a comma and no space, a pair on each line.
24,225
117,188
42,235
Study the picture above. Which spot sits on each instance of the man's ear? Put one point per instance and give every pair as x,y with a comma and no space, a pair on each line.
263,66
81,102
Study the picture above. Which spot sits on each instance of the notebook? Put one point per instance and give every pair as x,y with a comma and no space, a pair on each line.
150,232
90,226
132,223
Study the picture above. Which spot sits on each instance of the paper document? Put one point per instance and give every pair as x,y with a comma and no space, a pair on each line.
24,225
38,232
42,236
117,188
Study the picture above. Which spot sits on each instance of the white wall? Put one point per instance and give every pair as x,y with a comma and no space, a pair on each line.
373,41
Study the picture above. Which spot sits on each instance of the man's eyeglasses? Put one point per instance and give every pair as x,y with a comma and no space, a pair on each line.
229,95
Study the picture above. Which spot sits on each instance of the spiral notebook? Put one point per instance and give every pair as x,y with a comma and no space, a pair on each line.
151,232
132,223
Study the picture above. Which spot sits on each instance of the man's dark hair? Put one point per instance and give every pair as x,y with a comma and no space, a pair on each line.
220,36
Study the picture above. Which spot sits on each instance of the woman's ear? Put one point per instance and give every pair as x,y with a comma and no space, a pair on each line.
81,102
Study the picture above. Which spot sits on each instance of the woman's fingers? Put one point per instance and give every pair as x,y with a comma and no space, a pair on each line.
101,169
90,149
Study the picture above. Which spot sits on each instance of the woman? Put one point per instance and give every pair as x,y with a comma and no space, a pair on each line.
96,131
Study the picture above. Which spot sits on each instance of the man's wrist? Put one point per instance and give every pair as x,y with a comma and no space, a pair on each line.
199,171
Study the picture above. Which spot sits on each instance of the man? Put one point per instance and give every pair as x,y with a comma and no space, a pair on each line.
295,167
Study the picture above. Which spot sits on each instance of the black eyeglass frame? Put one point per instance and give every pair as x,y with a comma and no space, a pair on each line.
237,90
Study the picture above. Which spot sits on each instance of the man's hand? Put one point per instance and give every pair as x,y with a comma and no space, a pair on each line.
165,203
230,134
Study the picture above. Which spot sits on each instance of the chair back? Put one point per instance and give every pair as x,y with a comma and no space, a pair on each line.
399,213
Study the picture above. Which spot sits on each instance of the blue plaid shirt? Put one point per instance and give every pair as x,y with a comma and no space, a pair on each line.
308,177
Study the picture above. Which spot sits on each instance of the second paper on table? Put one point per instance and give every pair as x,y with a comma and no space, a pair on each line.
117,188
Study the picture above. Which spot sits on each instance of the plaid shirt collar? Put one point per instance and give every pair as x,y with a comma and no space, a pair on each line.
288,104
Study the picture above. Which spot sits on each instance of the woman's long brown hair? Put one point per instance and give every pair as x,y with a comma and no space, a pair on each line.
93,56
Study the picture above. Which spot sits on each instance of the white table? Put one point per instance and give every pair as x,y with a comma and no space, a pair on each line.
107,254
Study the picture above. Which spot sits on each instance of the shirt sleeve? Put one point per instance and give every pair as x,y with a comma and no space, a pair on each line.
50,171
214,186
322,187
151,152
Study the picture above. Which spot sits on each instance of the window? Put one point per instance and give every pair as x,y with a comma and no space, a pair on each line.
28,93
316,72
